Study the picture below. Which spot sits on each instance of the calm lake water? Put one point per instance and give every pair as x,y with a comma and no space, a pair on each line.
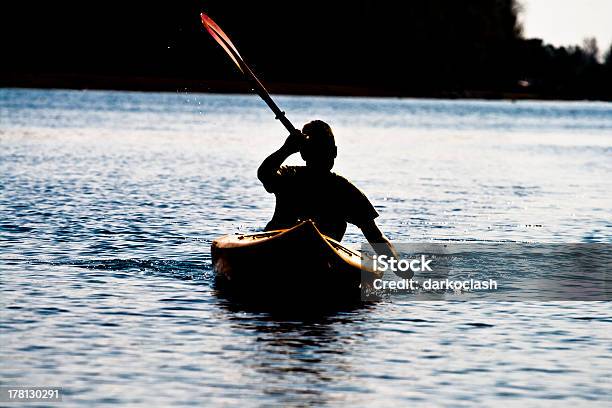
109,202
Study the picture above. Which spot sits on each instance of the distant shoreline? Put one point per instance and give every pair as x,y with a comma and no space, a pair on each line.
166,84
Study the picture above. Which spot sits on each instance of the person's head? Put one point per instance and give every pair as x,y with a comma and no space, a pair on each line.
319,149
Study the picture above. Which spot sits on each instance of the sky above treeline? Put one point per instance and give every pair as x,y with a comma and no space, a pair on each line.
568,22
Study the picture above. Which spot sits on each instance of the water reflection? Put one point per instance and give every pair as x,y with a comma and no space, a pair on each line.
299,354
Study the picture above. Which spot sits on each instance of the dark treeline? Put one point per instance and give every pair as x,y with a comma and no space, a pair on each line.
567,72
412,48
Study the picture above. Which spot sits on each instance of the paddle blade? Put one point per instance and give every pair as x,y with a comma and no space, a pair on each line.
222,39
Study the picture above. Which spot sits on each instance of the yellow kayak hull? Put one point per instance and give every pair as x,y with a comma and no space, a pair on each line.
295,259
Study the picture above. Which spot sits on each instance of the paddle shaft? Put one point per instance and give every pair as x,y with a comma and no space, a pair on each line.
224,41
263,93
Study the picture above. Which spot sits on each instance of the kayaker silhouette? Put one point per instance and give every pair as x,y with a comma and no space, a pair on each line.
314,192
302,192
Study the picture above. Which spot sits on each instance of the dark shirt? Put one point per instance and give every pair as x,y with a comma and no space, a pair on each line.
327,199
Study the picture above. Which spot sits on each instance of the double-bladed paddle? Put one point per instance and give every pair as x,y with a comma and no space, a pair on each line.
223,40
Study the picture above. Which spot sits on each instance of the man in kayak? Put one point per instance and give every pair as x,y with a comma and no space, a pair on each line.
314,192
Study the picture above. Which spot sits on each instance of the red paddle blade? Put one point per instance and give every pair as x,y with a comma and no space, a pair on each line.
220,37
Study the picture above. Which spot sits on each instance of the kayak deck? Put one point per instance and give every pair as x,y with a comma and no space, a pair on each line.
299,258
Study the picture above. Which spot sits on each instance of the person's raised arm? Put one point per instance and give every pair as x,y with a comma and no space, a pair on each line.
268,169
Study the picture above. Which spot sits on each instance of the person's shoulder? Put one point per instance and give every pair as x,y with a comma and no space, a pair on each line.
359,208
343,181
346,187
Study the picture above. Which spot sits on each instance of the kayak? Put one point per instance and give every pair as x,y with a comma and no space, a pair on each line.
299,259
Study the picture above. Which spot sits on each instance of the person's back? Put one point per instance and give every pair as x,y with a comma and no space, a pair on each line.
314,192
325,198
